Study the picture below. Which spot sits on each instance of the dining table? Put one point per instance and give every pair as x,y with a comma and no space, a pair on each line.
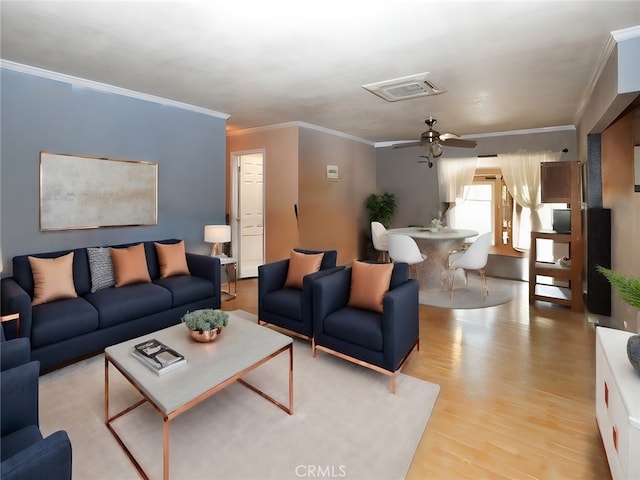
435,244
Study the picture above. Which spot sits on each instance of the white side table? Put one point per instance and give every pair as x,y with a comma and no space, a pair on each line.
231,264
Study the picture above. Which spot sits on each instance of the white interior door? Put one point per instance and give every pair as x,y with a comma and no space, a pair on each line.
249,215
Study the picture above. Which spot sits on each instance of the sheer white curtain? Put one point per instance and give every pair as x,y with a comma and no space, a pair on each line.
521,172
453,175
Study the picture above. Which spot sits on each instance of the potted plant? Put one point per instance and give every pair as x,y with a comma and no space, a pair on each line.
381,207
206,324
628,288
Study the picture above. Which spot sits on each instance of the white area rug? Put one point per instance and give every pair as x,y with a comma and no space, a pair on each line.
346,424
500,291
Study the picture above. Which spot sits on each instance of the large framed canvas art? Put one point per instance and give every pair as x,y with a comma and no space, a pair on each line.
78,192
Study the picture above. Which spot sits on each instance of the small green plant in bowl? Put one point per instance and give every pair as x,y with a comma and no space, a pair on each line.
628,288
206,324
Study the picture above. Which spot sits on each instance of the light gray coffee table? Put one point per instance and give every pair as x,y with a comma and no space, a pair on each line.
242,347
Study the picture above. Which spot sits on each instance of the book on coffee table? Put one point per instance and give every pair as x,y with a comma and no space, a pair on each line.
157,356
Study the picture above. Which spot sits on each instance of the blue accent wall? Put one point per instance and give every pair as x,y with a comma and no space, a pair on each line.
40,114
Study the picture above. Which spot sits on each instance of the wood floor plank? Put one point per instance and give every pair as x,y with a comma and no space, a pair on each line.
517,391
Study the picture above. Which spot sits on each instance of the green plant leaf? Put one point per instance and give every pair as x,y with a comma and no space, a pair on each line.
205,319
381,207
627,287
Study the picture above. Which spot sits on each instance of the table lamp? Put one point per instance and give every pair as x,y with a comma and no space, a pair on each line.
217,234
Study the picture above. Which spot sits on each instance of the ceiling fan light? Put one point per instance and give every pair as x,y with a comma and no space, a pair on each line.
436,149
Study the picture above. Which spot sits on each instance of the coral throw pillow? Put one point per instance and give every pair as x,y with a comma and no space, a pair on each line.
52,278
130,265
369,283
172,259
300,265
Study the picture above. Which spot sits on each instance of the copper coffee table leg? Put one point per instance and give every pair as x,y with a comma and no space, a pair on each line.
106,390
291,379
166,449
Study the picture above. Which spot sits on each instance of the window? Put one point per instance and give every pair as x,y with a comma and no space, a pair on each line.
478,208
476,212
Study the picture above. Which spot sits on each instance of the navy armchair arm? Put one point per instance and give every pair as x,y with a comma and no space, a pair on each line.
271,277
14,299
14,352
25,454
19,398
51,455
330,295
400,322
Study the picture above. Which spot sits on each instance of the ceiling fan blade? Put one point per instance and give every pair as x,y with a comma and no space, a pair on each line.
407,144
457,142
448,135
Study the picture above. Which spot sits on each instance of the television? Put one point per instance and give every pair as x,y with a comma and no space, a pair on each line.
562,220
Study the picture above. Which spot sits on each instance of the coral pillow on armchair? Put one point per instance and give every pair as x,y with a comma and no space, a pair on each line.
369,283
300,265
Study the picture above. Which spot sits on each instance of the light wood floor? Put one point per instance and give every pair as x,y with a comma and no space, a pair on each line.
516,392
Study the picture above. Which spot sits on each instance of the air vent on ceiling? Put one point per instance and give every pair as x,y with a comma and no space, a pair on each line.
404,88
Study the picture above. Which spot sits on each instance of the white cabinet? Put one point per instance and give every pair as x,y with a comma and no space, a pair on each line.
618,403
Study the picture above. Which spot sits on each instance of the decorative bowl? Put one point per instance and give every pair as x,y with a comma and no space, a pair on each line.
205,336
633,351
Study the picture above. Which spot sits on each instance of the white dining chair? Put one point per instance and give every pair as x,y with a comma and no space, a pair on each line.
473,258
380,242
403,248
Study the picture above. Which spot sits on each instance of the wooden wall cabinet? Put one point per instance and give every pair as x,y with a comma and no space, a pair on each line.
556,182
560,183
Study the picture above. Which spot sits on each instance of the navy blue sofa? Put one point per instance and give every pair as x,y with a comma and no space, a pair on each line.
380,341
290,308
65,330
25,454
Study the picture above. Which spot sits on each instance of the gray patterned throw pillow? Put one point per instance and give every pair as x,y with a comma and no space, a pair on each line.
101,268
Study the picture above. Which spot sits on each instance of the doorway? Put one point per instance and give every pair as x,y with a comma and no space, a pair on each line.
247,211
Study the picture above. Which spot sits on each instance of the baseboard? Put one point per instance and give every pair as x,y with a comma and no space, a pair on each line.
512,268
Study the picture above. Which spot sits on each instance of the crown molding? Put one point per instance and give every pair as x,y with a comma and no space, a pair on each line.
299,124
601,63
626,33
103,87
528,131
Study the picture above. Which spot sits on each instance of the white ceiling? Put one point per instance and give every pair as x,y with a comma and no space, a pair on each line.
506,66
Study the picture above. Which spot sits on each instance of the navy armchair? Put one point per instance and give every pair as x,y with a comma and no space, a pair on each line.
381,341
286,307
24,453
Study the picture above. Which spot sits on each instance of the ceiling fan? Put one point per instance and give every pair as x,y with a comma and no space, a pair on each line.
434,140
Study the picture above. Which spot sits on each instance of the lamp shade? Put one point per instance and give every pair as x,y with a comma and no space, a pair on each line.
217,233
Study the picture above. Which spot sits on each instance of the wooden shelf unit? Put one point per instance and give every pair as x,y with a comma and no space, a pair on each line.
560,184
